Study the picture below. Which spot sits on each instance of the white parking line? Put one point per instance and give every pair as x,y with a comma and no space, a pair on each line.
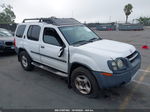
147,71
130,95
143,83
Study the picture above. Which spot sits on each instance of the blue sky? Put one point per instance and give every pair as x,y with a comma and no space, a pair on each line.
82,10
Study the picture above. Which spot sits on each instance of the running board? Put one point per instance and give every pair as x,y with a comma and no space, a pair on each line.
50,69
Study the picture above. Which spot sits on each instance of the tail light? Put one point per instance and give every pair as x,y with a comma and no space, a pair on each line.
14,42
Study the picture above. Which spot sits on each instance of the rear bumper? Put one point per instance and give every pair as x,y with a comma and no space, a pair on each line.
118,79
7,49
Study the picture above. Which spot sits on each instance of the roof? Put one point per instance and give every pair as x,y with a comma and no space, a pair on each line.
55,21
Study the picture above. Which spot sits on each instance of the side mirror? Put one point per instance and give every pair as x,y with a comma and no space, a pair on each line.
61,51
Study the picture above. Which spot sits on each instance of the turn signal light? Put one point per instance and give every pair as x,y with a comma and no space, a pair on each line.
106,74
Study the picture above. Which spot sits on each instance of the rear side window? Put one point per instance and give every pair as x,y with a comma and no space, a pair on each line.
34,32
20,31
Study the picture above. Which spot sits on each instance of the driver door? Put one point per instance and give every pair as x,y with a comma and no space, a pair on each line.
50,47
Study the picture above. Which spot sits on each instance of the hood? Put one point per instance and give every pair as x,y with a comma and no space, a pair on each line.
6,38
109,47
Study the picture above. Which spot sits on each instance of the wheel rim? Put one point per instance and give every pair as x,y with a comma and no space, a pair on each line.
83,84
24,61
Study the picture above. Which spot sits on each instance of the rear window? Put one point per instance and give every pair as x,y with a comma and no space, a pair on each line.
5,33
20,31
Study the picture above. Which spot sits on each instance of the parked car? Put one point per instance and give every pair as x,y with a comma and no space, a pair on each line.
6,41
69,49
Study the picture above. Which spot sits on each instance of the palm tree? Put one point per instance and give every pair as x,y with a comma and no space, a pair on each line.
144,20
127,10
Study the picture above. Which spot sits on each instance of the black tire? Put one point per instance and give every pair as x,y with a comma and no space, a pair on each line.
24,56
83,72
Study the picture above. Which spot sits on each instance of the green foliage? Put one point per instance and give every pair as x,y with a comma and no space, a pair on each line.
128,10
144,20
7,16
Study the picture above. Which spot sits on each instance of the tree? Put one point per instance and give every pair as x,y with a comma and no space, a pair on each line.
7,15
144,20
128,10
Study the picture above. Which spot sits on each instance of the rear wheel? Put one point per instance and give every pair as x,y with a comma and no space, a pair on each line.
84,83
26,61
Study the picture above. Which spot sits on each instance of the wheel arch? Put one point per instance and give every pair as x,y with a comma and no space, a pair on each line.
73,66
21,50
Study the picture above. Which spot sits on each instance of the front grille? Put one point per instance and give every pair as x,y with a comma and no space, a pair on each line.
133,56
8,43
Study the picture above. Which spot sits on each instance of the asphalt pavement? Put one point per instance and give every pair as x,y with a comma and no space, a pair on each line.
41,89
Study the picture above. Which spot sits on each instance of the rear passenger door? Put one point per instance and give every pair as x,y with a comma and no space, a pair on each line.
51,44
31,42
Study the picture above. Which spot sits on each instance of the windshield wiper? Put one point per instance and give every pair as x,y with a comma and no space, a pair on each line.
80,42
93,39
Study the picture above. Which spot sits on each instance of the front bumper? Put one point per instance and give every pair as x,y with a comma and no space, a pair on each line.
118,79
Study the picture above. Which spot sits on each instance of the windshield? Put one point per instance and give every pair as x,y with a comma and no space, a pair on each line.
5,33
78,34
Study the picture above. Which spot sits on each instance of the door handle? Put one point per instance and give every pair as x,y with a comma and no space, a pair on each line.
42,47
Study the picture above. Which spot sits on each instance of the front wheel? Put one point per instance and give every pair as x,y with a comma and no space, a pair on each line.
26,61
83,82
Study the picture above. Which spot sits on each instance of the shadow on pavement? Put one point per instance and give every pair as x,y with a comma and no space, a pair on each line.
7,54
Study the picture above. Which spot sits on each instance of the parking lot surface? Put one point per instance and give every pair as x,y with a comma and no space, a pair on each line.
41,89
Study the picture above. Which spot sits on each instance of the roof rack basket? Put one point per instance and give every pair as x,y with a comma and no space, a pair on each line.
55,21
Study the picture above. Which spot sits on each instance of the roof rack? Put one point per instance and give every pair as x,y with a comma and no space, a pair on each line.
56,21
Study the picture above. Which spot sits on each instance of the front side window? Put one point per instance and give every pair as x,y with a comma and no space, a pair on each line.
34,32
78,34
20,31
50,36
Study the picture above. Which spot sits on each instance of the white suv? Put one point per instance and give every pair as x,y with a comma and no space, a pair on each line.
67,48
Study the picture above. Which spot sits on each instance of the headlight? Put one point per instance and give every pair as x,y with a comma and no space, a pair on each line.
118,64
114,65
